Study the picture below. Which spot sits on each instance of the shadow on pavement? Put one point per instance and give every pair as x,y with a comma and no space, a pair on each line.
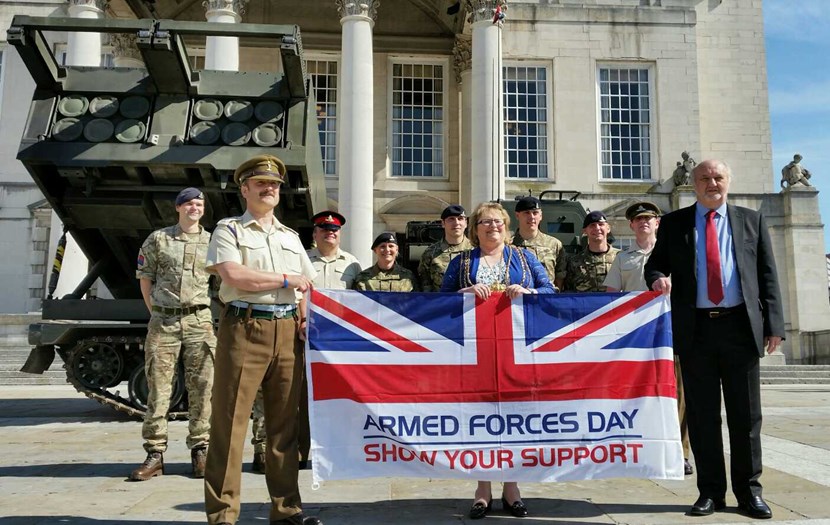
41,411
87,470
421,511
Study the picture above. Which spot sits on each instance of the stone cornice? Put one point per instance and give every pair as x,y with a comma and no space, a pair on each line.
368,8
485,10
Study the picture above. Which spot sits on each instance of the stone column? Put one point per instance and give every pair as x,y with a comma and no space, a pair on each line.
355,120
222,52
125,53
487,115
463,61
806,278
84,49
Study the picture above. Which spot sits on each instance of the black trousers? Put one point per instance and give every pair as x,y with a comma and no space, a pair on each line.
724,356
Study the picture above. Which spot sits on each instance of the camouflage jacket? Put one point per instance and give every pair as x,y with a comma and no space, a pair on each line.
396,279
548,250
175,262
435,260
586,271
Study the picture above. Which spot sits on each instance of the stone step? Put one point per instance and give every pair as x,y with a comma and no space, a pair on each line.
795,368
796,373
795,380
15,367
33,379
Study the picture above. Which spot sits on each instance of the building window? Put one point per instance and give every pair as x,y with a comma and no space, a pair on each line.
324,75
526,122
624,243
107,58
625,115
418,119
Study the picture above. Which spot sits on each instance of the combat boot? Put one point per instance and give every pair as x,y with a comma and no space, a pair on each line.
152,466
198,457
259,463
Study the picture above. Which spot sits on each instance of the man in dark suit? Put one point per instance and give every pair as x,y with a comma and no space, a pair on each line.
716,261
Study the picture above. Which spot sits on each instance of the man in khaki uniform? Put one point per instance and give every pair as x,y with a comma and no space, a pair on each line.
264,270
586,271
546,248
174,284
437,256
336,269
626,275
386,275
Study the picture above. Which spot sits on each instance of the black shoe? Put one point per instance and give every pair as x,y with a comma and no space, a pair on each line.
705,506
479,509
517,509
755,507
258,465
298,519
687,468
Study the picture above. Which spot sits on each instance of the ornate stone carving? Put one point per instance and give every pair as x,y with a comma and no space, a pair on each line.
492,10
91,4
683,172
236,6
794,173
123,45
358,7
462,53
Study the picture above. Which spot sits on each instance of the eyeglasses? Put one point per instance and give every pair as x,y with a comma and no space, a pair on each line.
491,222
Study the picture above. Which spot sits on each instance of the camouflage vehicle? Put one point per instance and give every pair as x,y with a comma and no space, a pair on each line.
111,147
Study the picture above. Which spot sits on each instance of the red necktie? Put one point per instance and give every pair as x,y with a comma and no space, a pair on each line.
713,274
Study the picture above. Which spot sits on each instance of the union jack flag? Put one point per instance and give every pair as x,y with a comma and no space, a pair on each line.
408,383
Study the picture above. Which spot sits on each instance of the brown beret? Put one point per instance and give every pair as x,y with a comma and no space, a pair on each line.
261,167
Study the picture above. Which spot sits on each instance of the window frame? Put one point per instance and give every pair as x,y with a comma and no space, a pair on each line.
431,60
4,65
321,56
549,139
651,67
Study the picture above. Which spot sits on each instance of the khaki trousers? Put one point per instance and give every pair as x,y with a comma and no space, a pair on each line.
250,353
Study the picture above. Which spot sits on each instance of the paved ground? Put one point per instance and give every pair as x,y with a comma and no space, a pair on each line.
64,459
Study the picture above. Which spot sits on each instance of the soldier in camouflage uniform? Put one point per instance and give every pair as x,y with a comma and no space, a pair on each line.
586,271
437,257
336,269
547,249
174,283
386,275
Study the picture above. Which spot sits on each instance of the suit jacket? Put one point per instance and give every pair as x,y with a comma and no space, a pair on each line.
674,255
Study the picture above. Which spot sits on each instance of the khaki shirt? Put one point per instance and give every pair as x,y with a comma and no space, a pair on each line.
396,279
547,249
175,262
435,260
242,240
336,272
586,271
626,272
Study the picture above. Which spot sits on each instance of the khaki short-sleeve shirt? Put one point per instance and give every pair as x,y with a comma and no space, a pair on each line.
242,240
336,272
626,272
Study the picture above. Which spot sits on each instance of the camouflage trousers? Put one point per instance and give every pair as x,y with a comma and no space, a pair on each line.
258,424
168,337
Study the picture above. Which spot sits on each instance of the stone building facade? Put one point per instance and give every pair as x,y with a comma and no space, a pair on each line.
419,108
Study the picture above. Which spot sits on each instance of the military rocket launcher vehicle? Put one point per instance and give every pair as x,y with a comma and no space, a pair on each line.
110,147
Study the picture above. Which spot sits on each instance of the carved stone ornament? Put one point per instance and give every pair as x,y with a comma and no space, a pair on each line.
491,10
462,53
91,4
123,45
236,6
367,8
